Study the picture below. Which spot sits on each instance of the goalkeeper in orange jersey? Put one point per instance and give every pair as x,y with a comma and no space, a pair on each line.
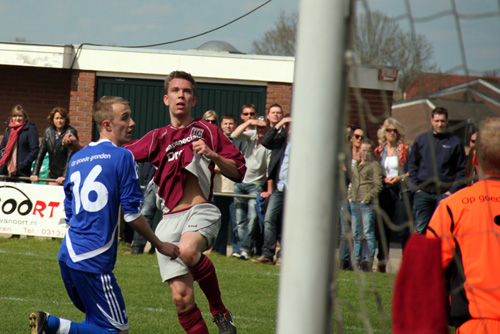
468,223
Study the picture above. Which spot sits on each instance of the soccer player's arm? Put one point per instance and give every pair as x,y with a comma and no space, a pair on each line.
145,148
68,198
223,153
233,161
71,142
440,227
166,248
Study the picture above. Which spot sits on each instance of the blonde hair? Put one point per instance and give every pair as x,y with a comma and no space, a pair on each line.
210,113
382,140
488,145
103,109
21,109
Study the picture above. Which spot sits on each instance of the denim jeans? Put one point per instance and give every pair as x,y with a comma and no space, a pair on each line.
363,225
345,229
246,214
424,204
236,237
272,223
148,210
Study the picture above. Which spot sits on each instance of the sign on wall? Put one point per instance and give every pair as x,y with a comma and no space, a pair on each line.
32,209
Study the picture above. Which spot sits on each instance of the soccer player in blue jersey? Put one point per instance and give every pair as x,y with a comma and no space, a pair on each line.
185,153
101,177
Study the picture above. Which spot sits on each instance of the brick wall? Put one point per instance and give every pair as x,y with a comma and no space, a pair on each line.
81,101
280,93
38,90
369,108
366,107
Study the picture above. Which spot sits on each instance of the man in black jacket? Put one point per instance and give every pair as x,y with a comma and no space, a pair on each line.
276,139
436,167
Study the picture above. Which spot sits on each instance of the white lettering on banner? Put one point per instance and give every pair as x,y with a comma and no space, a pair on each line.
32,209
183,141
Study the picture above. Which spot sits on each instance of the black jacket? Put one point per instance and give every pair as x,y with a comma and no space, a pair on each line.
59,155
443,153
275,141
27,148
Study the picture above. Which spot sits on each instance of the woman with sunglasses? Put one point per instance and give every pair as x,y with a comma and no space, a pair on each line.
392,153
19,145
211,117
357,136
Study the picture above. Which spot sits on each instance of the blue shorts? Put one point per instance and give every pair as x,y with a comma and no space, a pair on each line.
98,296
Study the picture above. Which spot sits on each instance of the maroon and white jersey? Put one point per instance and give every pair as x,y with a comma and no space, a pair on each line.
170,149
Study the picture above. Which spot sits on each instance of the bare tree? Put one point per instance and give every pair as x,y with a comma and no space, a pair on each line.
380,41
279,41
377,39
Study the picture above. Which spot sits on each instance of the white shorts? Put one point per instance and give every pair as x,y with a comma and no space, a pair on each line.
204,218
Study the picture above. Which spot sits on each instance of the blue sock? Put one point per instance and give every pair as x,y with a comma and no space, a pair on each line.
82,328
53,323
74,328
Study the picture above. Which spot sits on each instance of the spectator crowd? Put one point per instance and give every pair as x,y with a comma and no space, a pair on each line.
388,188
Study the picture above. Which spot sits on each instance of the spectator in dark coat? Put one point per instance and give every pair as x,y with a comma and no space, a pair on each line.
59,155
19,145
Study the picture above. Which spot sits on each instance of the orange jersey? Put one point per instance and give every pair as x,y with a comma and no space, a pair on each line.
468,223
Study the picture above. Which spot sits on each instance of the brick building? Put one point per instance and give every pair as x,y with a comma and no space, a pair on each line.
41,77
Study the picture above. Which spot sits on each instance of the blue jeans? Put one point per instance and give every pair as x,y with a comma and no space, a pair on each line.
272,223
345,229
148,210
424,204
236,238
363,225
246,214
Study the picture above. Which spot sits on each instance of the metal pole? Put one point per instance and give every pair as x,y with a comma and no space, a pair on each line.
304,302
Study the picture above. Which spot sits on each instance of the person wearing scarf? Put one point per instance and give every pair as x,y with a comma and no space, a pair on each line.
19,145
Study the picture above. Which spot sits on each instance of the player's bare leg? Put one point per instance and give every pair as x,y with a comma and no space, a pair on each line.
191,246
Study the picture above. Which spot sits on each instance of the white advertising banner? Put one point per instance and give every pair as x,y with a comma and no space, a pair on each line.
32,209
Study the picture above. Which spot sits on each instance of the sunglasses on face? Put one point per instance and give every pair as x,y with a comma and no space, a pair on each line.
248,113
391,130
213,121
358,136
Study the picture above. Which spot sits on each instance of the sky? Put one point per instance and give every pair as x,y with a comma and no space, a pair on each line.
132,22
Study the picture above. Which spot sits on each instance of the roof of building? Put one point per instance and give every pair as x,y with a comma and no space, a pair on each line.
205,65
428,83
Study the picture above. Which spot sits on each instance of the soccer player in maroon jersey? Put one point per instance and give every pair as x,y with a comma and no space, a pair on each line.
185,152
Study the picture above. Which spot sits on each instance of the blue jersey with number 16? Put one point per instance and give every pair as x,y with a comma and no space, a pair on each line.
100,178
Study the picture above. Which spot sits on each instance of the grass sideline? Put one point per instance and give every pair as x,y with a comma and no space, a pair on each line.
30,281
